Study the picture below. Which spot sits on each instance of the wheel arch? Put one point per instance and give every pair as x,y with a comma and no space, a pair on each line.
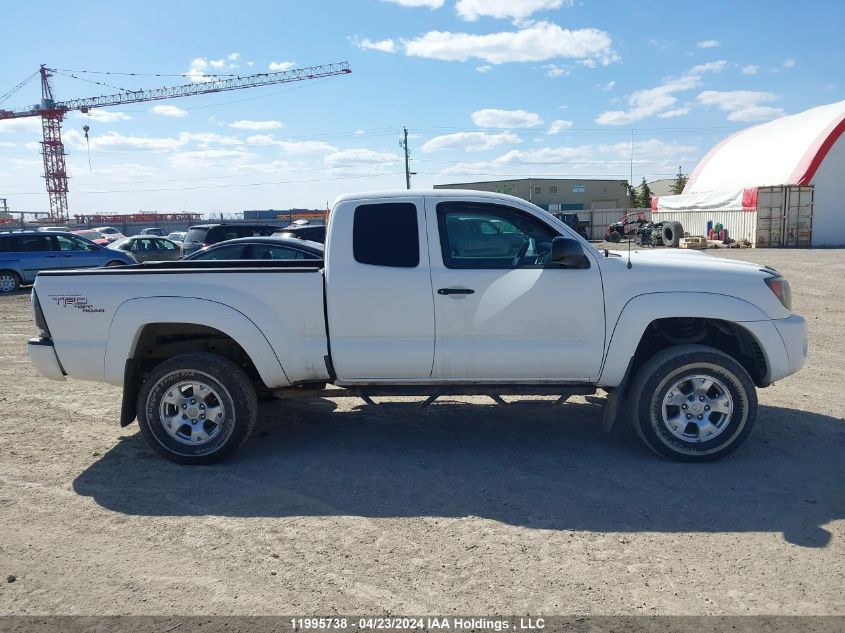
652,322
141,336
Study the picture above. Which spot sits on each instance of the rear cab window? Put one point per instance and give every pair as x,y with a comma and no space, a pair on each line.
386,234
196,235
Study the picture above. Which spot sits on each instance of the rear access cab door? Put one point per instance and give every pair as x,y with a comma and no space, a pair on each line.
378,291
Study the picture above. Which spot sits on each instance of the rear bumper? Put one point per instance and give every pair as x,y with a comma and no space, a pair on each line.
43,356
793,332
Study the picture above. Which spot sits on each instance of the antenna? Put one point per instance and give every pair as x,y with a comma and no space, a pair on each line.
628,265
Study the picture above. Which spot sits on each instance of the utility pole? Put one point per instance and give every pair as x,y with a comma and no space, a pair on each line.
404,145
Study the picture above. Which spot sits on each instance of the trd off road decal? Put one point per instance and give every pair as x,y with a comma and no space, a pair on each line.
75,301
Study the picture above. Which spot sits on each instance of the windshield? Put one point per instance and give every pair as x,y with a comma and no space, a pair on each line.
196,235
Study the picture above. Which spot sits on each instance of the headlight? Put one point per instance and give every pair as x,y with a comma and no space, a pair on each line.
780,287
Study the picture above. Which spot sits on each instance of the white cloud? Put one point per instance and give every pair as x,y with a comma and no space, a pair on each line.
751,69
28,124
280,67
256,125
661,99
539,41
168,110
360,162
471,10
469,141
306,147
209,158
608,86
559,125
742,105
431,4
709,44
553,70
198,70
6,144
233,57
494,118
385,46
484,69
217,64
103,116
788,63
651,156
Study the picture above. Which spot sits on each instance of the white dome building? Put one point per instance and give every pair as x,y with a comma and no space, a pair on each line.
781,183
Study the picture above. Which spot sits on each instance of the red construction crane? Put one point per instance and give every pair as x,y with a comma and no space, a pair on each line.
52,112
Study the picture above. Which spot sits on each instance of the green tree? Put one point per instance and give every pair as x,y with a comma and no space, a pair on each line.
645,195
633,197
680,182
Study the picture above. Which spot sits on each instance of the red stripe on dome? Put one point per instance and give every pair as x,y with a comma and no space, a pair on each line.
811,161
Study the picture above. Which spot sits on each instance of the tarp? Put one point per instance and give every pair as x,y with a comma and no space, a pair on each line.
729,200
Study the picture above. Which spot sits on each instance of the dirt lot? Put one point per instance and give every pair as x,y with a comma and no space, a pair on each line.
462,508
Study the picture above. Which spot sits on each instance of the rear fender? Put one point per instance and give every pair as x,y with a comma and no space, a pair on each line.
131,317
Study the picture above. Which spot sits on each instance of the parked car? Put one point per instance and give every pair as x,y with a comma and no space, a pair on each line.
410,302
203,235
312,233
52,229
92,235
177,236
153,230
147,248
273,248
110,233
23,255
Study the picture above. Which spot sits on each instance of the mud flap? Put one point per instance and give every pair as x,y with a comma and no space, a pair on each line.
613,417
131,388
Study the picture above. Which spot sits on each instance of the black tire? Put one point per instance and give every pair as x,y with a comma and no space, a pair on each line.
223,382
615,236
657,379
10,281
672,232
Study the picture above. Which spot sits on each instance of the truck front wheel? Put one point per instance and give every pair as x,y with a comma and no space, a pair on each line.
693,403
197,408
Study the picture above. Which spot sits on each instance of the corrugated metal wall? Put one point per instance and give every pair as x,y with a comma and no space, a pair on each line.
741,225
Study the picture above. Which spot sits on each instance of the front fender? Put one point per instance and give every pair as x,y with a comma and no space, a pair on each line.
641,310
131,317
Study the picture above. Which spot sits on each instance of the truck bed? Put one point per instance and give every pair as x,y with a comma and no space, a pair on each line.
274,308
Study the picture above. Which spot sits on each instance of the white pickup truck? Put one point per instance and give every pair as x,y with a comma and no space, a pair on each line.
428,292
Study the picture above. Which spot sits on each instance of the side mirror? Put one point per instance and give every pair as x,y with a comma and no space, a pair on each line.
568,252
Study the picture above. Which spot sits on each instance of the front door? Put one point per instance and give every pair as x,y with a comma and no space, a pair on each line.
503,310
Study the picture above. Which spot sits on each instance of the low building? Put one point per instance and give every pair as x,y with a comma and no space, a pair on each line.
556,194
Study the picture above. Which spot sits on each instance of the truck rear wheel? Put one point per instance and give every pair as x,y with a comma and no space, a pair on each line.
693,403
197,408
615,236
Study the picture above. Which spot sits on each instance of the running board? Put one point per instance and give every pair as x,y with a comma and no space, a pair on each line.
433,392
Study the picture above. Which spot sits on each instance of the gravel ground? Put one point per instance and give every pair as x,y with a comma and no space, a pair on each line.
464,507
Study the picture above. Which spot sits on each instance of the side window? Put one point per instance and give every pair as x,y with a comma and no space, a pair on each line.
35,243
467,241
164,245
268,251
386,235
68,243
235,251
5,244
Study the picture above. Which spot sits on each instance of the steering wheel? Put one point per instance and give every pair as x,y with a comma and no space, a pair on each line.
520,253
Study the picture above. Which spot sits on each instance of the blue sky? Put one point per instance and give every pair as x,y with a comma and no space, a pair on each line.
487,89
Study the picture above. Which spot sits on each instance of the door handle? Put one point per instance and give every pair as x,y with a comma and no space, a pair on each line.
455,291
